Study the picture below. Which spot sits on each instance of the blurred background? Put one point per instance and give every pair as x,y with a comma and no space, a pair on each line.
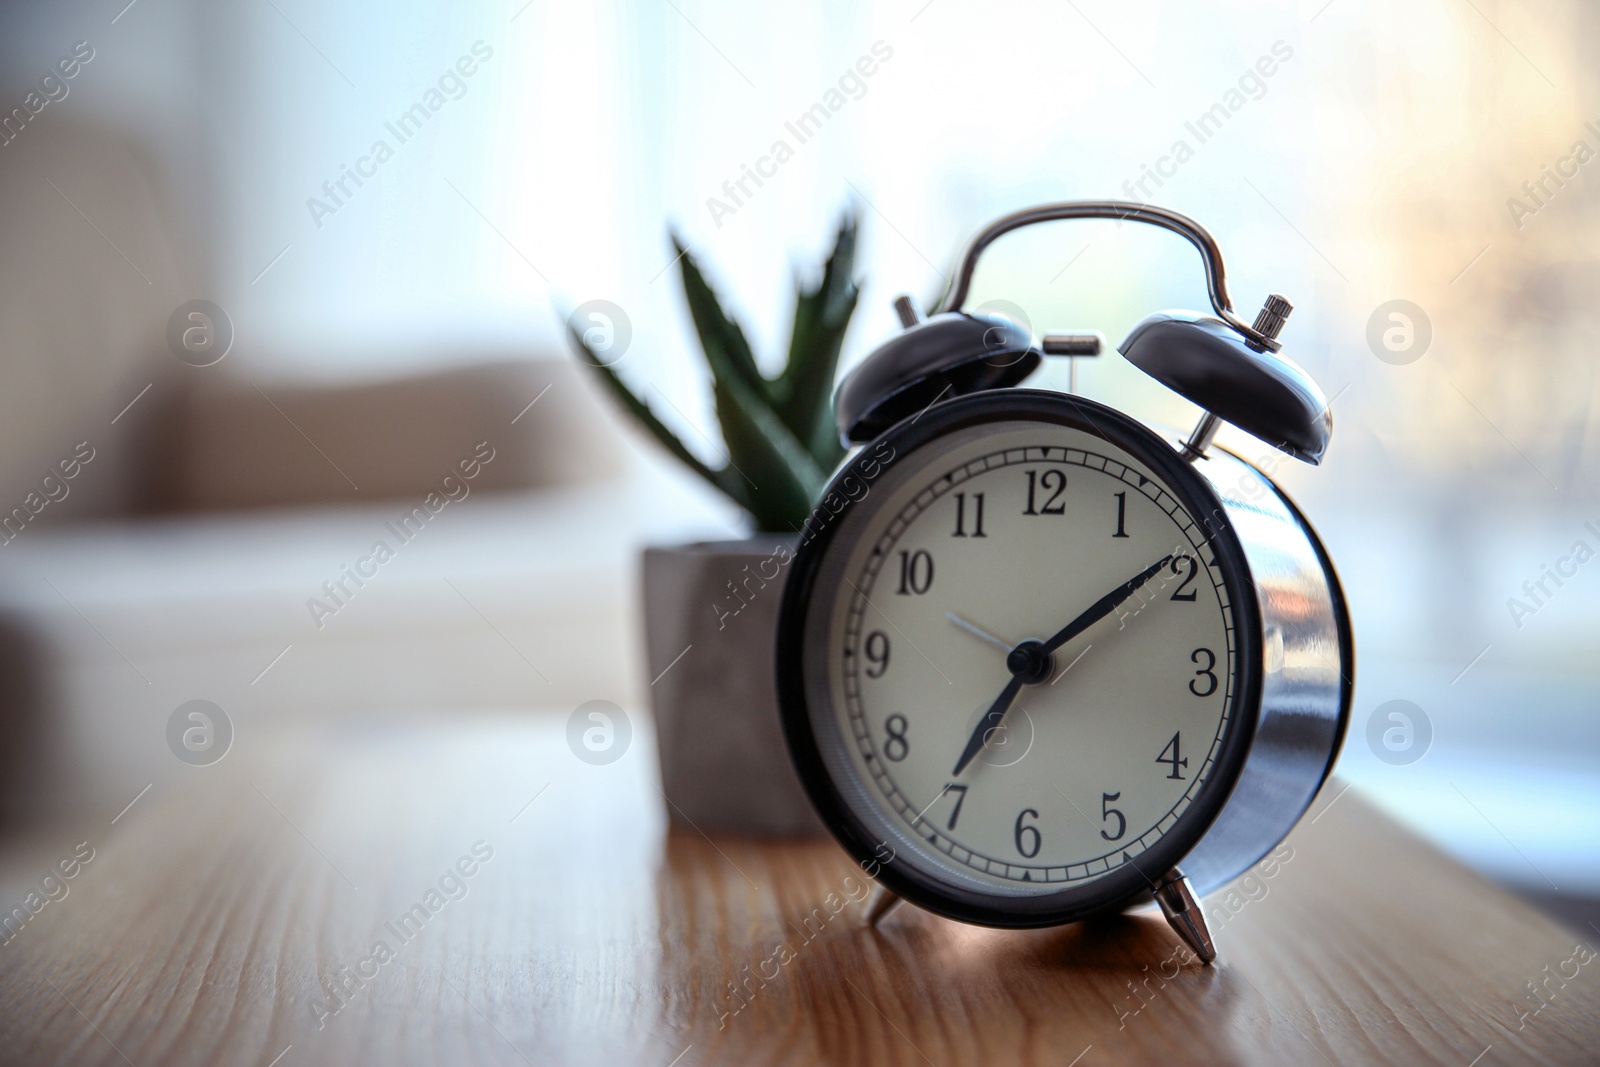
380,327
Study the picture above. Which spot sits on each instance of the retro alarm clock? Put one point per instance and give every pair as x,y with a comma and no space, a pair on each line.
1038,661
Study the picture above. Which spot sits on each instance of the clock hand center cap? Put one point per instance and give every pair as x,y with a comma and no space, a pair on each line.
1031,663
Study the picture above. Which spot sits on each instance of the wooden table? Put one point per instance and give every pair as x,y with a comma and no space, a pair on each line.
222,912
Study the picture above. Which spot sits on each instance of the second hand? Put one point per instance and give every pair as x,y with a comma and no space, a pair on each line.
978,632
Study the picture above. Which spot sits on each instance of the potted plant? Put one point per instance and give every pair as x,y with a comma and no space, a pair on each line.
711,608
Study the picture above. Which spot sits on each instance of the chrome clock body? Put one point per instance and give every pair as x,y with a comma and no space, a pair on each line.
1287,675
1260,617
1307,671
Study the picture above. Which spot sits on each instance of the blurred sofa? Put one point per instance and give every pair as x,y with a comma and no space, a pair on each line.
482,563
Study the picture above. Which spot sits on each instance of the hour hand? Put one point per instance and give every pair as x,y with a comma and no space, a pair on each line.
990,720
1105,605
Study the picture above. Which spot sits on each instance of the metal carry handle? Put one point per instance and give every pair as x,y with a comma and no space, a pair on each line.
1196,234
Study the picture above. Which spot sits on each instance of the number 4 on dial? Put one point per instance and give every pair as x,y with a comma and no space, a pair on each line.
1175,761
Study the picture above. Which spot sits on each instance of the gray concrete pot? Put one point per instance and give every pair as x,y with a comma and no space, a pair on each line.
711,619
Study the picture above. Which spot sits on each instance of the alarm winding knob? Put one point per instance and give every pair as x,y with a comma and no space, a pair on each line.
907,311
1270,319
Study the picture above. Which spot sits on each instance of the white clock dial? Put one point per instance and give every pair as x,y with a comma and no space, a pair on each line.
989,538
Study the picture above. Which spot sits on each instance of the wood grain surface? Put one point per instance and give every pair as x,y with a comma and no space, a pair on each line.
237,918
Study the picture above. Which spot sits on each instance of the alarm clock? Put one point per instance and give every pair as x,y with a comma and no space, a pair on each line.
1038,661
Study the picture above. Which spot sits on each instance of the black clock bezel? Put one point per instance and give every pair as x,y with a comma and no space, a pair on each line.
1119,887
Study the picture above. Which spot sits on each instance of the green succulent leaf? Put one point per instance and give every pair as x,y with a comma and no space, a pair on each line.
778,474
724,480
774,469
724,343
779,433
804,391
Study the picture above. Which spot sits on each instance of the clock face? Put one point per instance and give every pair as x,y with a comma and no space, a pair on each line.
1021,661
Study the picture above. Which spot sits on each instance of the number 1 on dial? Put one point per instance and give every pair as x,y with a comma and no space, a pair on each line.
1122,514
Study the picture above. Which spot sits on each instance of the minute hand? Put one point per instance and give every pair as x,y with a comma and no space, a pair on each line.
1105,605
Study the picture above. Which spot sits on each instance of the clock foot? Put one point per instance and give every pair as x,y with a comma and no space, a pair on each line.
1183,914
881,904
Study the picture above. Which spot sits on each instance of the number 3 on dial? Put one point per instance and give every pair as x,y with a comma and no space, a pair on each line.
1204,682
